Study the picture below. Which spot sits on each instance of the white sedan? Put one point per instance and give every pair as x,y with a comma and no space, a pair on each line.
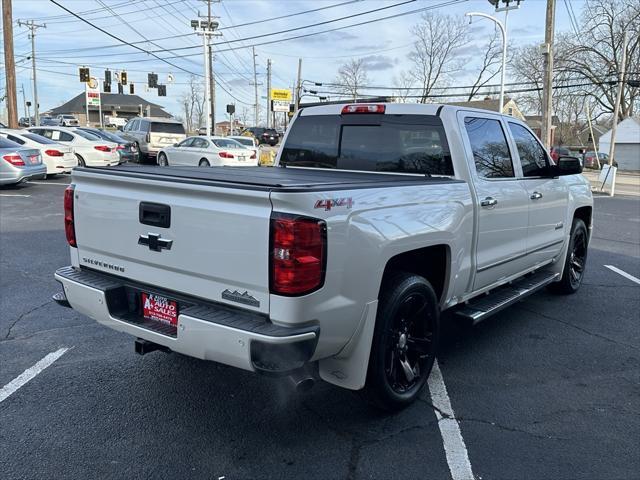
57,157
91,151
207,152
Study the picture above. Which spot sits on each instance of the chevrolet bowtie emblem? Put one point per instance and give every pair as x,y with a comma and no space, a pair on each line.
154,242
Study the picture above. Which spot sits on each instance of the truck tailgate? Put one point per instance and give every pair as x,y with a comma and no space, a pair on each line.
219,236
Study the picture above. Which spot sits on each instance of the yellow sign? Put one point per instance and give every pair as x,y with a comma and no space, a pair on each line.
283,94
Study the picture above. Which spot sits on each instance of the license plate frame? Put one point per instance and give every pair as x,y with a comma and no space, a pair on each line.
160,309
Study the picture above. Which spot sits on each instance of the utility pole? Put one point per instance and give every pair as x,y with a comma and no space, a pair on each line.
212,88
547,87
268,92
255,85
31,25
299,84
9,64
616,109
24,103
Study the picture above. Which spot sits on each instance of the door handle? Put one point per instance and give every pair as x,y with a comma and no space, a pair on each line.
488,202
536,196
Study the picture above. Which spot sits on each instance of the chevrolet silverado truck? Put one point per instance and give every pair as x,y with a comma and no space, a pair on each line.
338,262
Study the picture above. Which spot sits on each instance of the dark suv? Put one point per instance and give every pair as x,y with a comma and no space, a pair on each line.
265,135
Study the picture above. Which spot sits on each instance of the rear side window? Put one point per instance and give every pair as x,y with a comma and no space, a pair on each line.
83,134
15,139
532,156
379,143
160,127
38,138
489,146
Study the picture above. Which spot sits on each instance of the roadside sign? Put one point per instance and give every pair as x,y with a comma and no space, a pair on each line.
281,94
279,106
92,92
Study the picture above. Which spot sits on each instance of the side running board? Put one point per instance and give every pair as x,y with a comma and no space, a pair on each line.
479,308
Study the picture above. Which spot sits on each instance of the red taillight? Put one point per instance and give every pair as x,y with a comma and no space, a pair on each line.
15,160
102,148
363,108
54,153
298,254
69,226
225,155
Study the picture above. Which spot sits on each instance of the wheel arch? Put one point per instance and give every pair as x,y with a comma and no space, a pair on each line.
585,214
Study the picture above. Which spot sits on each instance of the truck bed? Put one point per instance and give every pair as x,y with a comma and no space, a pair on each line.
269,178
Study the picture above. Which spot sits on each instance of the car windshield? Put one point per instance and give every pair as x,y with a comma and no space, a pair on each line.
38,138
87,135
382,143
162,127
226,143
70,117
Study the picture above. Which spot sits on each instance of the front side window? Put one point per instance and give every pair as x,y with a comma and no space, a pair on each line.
489,146
532,156
200,143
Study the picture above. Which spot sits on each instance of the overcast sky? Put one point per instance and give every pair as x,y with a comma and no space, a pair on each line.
67,42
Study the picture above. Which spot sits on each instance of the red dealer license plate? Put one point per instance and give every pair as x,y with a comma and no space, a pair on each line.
160,309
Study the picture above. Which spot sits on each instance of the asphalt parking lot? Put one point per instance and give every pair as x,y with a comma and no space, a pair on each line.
548,389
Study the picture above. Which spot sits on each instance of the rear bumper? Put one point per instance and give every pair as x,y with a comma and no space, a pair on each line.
18,175
205,330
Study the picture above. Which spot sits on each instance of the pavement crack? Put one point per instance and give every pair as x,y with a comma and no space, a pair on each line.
583,330
507,428
442,413
22,315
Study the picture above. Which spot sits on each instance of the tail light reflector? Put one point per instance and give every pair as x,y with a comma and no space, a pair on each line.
102,148
225,155
69,226
298,254
363,108
15,160
54,153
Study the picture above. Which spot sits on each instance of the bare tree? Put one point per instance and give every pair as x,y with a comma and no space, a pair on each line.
352,76
192,101
404,83
434,59
596,54
491,64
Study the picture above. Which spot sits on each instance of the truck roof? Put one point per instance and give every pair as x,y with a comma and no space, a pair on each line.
396,109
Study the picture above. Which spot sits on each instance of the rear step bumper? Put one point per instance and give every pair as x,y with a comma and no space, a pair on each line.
205,330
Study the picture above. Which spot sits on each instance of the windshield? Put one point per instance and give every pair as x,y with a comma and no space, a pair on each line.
71,117
38,138
245,141
158,127
382,143
226,143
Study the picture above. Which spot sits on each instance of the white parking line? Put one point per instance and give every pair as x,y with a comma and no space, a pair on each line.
454,447
13,195
623,273
29,374
48,183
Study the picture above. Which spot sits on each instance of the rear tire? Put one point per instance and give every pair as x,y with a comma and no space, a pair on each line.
81,162
405,342
204,163
575,261
162,160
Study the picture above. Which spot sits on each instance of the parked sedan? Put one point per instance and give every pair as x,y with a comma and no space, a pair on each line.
206,152
58,158
19,164
126,148
91,151
247,142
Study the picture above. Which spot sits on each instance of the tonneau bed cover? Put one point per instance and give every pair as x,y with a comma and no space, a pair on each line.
271,178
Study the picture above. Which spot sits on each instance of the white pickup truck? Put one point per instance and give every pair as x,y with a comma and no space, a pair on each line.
338,262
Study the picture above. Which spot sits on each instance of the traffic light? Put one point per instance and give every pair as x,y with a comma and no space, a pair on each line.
162,90
131,89
107,76
123,78
84,74
106,87
152,80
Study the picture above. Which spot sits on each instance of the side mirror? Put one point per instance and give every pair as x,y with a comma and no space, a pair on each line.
175,144
567,166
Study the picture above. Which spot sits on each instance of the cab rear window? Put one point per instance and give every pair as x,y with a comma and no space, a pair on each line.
382,143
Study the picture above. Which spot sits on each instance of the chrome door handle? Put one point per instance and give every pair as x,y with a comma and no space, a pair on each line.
488,202
536,196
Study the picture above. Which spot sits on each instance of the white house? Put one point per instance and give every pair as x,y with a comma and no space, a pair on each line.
627,151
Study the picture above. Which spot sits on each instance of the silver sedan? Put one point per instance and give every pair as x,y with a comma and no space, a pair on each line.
18,164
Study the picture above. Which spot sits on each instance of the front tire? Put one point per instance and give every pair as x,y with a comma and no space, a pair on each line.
575,261
162,160
405,342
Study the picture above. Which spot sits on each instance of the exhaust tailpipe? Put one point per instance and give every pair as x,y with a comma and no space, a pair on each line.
303,379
